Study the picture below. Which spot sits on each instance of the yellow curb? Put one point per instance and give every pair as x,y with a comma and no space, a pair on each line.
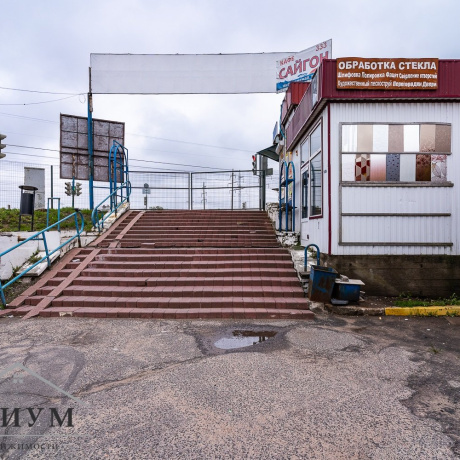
423,311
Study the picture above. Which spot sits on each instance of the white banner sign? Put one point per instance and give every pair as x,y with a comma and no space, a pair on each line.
183,73
301,66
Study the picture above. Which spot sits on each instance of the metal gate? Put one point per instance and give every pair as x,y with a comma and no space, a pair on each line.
197,190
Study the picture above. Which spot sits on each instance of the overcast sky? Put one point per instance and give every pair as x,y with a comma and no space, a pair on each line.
45,46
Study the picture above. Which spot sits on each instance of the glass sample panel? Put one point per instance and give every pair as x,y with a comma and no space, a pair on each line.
393,167
380,139
349,138
378,167
305,194
443,138
348,167
305,151
365,138
315,140
427,138
362,168
407,168
423,168
396,138
438,168
316,177
411,138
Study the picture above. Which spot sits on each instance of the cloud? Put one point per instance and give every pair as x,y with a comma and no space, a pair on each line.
47,45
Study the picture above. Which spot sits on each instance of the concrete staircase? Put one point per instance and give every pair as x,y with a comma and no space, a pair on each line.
174,264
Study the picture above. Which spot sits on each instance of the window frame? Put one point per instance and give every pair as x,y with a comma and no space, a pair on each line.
306,169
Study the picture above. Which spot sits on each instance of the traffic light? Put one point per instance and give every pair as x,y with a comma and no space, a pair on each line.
68,188
254,165
2,146
78,189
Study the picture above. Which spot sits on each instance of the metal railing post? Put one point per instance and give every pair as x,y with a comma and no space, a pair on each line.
46,250
78,231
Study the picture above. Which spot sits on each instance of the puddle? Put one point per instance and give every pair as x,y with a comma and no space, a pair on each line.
241,339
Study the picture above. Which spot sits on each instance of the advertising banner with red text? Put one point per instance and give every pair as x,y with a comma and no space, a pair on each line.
302,65
387,74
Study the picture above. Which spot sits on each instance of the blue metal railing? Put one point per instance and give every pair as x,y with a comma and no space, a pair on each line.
118,169
37,236
282,183
58,212
289,181
98,221
288,203
318,254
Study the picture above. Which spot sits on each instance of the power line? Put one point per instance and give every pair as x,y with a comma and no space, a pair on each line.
40,92
134,134
191,143
35,148
131,159
28,118
43,102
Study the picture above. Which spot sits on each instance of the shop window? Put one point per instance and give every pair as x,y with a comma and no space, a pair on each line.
304,194
395,152
312,177
316,186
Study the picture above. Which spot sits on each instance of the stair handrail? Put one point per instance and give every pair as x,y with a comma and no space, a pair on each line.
36,236
318,256
98,222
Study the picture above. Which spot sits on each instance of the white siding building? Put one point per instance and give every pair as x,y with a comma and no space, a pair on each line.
376,175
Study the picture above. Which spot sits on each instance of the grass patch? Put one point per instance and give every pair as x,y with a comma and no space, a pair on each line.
9,219
405,301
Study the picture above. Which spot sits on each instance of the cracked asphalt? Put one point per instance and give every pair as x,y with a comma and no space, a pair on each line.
333,388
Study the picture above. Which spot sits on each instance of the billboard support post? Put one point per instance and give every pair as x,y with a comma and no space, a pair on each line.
90,150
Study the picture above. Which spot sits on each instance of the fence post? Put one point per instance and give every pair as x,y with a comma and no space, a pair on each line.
190,205
232,189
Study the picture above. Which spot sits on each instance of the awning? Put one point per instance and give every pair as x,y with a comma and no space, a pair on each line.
270,152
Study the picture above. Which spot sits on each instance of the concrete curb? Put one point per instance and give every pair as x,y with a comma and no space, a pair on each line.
354,310
450,310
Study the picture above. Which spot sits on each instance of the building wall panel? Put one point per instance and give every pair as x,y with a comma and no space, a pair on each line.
369,199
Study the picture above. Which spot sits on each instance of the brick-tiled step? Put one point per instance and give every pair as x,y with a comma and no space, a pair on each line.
199,273
195,264
186,281
179,302
179,313
197,251
142,258
181,291
197,244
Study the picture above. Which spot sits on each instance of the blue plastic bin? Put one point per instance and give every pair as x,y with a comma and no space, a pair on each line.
321,283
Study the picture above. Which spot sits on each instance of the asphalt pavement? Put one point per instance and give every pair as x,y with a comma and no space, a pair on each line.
333,388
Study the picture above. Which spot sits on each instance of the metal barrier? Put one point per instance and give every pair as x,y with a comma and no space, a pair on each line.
37,236
98,222
239,189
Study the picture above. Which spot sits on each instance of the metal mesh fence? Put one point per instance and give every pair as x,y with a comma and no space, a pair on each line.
12,175
195,190
168,190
